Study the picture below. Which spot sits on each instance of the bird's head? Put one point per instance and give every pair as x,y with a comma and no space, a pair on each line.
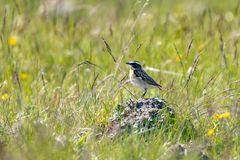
134,64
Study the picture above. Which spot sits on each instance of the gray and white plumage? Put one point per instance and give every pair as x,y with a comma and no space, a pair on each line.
140,78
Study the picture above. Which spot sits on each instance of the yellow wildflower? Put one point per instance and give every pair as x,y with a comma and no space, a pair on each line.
12,40
217,116
23,75
225,115
5,96
221,116
178,58
210,132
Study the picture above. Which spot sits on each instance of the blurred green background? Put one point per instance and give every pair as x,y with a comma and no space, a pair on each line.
59,85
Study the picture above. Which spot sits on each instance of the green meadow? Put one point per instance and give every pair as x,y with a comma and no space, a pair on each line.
63,72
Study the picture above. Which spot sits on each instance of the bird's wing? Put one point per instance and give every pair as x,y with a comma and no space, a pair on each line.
145,77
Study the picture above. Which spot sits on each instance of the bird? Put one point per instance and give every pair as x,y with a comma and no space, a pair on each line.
138,77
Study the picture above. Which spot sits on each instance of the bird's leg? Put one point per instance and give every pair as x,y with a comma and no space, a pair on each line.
145,91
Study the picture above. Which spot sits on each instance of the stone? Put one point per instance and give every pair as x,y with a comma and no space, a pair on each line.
141,116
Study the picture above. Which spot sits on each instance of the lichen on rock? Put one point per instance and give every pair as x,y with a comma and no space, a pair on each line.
140,116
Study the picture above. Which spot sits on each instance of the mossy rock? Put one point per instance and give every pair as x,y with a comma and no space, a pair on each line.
140,116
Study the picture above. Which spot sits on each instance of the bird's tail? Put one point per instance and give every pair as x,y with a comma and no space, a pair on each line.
159,87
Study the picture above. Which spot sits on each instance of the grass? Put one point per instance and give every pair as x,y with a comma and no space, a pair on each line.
59,85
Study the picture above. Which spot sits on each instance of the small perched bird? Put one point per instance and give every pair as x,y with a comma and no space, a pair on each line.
140,78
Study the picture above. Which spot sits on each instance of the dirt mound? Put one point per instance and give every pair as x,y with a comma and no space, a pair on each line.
141,116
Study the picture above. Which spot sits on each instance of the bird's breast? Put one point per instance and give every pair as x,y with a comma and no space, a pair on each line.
136,81
131,74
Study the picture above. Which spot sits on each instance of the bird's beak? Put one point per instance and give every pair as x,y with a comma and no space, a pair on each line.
128,63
